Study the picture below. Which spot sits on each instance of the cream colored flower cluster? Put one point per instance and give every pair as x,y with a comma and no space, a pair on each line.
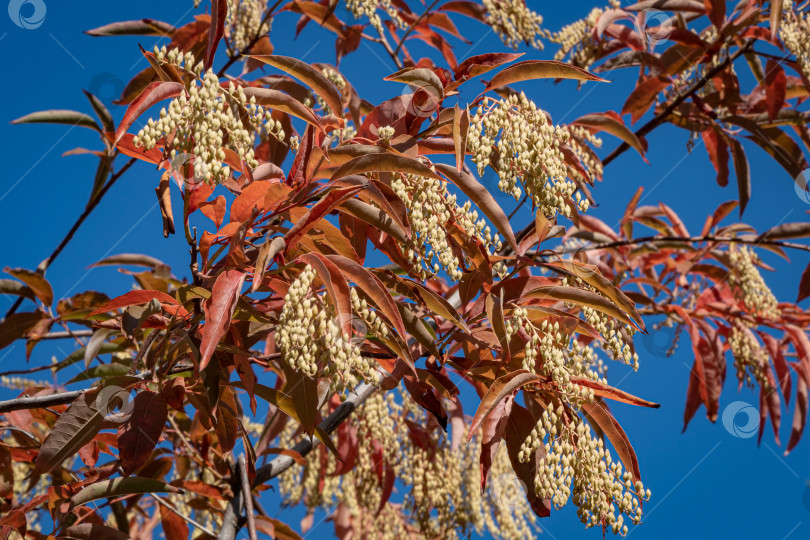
750,359
385,133
515,23
525,148
431,210
337,80
577,42
368,8
19,383
748,284
310,340
443,497
206,120
562,358
245,22
579,140
369,316
615,334
795,33
578,466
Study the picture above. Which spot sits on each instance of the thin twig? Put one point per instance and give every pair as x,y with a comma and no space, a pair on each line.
182,516
69,236
63,335
413,25
661,117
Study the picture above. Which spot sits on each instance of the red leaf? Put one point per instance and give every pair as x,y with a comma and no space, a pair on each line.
320,209
520,424
718,153
139,435
133,298
606,391
775,87
804,285
599,413
500,389
716,10
218,311
174,527
219,11
800,412
153,93
336,286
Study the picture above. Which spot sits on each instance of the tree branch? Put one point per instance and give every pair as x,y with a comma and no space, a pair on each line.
661,117
413,25
232,520
690,240
69,236
39,402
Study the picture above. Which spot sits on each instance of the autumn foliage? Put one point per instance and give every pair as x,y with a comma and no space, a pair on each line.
356,277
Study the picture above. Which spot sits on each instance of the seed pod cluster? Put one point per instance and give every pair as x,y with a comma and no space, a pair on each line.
517,139
577,41
750,359
562,358
441,494
368,8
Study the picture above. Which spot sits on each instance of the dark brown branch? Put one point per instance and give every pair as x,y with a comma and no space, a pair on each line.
661,117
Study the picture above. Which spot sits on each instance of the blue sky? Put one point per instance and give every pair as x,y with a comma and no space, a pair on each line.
706,483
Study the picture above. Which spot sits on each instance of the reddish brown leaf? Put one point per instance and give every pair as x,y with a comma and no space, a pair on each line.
174,527
139,435
500,389
153,93
775,87
600,414
218,310
219,12
718,153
